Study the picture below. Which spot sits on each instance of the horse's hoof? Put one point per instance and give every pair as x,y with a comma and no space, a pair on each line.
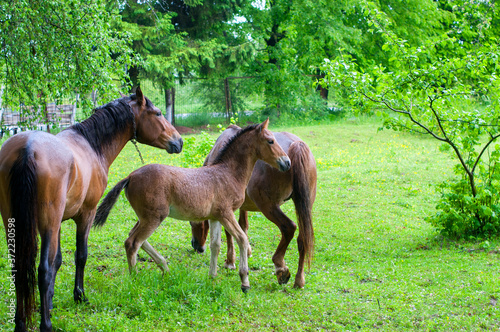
230,266
83,300
245,289
283,276
299,283
79,297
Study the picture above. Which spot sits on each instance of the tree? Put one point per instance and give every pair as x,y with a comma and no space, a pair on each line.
182,38
454,99
51,49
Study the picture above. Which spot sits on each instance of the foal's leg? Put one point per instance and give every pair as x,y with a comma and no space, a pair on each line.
137,236
231,256
287,228
83,224
215,241
230,224
159,260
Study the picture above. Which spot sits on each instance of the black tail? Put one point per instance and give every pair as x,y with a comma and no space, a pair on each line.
304,192
108,202
23,223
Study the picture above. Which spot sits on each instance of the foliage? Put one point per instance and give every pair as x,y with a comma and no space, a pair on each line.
180,38
212,93
195,149
454,99
54,49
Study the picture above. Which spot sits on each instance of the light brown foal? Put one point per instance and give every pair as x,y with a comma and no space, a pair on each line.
212,192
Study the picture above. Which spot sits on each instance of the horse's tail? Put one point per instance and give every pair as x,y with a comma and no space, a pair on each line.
304,192
23,223
108,202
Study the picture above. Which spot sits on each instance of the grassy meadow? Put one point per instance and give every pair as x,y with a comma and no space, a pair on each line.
377,263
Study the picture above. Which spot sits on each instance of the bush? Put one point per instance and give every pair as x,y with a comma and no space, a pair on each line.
195,150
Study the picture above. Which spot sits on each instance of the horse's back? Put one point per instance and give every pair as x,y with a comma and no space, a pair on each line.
182,193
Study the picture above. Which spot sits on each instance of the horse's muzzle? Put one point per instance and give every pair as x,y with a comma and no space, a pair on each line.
196,246
284,163
175,146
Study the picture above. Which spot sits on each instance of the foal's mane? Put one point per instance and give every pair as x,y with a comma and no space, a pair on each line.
223,151
106,122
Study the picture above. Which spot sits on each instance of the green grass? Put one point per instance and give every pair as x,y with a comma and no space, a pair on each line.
377,263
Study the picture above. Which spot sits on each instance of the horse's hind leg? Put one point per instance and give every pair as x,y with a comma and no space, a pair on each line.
46,274
287,228
137,236
159,260
58,262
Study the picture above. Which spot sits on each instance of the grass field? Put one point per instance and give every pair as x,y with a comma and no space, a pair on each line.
377,263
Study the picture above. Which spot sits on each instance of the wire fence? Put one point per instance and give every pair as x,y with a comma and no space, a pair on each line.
198,101
192,102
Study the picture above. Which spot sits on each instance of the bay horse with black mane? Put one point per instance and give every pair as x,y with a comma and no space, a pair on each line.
213,192
46,179
267,190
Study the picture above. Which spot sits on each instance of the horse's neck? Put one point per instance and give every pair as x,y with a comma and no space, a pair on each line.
115,142
241,164
114,147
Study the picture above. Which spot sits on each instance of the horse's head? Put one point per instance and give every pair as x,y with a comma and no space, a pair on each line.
151,127
269,150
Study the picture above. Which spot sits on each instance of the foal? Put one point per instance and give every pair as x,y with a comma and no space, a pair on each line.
212,192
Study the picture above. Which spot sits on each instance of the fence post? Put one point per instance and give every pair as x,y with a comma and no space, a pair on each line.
170,105
1,94
94,98
227,95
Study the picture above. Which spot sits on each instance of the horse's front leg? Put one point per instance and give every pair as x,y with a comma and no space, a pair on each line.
83,224
233,228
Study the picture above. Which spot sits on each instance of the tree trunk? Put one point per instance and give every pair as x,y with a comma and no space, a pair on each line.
227,95
133,73
170,105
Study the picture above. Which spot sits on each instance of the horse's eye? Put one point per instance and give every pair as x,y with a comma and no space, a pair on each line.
270,141
158,113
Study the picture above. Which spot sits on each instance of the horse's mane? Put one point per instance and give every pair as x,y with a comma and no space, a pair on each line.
223,151
107,121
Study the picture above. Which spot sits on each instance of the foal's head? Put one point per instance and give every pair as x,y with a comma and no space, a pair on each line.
151,127
269,150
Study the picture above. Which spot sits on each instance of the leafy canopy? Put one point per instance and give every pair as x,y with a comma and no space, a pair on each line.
51,49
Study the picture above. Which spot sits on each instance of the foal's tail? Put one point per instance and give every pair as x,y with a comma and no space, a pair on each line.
108,202
304,192
22,226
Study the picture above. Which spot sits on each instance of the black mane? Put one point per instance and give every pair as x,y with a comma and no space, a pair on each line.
106,121
223,151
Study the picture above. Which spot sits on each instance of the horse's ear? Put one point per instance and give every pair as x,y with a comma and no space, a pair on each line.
140,97
263,125
122,95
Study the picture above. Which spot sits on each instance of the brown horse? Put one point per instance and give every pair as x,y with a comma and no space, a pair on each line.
213,192
266,191
45,179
